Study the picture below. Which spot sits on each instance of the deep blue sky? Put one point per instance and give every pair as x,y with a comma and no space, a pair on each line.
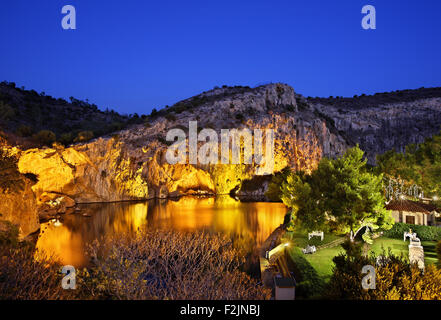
139,54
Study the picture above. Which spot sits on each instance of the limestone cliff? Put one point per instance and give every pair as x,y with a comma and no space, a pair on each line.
385,121
17,201
100,171
132,164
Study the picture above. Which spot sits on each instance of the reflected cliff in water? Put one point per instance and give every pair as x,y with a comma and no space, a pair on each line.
247,223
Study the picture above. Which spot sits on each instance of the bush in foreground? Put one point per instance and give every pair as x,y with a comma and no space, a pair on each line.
396,279
309,284
45,137
168,265
21,276
149,265
425,233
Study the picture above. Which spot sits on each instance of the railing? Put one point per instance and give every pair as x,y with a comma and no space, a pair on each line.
331,244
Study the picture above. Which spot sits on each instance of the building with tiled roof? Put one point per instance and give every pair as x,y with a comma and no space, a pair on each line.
413,212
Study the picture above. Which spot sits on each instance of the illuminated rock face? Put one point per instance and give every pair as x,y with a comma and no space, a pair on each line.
17,201
90,173
21,210
133,164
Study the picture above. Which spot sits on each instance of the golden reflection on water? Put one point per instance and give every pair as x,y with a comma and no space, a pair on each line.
247,223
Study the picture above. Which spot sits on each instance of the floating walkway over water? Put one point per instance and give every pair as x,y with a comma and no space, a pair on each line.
273,264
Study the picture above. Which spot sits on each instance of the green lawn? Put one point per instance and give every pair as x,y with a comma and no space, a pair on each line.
399,247
300,239
321,261
396,246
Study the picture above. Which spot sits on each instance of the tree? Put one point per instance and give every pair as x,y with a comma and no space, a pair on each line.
340,195
273,191
45,137
298,194
420,165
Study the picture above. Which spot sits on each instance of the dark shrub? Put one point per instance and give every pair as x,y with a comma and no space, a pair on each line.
66,138
6,112
170,117
309,283
24,131
45,137
425,233
10,178
158,264
24,274
84,136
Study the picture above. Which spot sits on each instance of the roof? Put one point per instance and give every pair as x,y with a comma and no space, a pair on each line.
428,206
411,206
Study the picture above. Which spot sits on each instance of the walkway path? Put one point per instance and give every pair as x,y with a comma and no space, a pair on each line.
277,262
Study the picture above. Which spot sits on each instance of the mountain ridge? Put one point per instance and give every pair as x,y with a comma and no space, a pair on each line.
131,164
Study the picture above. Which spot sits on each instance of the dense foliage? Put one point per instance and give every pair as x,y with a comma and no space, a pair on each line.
273,191
420,164
21,275
396,279
378,99
309,283
168,265
341,195
425,233
27,114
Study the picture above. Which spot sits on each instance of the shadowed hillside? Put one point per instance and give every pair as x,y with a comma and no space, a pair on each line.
25,113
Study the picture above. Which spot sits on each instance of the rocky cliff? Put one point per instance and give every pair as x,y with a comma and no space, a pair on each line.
132,164
385,121
17,200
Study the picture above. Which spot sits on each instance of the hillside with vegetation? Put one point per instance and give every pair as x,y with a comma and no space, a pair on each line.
381,98
383,121
32,119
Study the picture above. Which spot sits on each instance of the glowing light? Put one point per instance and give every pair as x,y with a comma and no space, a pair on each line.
248,224
435,198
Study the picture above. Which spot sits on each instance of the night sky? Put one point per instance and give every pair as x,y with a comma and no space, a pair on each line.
136,55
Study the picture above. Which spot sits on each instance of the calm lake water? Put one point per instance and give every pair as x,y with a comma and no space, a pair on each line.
247,223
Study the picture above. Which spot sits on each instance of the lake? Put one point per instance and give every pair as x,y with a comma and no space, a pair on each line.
248,224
